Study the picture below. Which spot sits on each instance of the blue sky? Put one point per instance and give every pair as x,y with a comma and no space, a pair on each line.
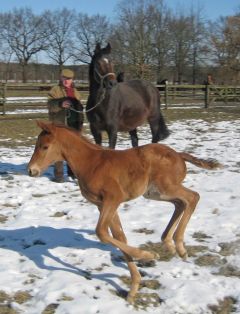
211,8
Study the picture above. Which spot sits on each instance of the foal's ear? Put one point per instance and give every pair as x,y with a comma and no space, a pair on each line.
46,126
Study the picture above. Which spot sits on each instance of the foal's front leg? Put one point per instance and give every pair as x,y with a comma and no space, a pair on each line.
107,213
117,232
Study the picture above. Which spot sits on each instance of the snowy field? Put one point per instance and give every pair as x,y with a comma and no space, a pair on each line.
52,261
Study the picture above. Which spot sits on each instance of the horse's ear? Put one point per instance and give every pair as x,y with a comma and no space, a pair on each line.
46,126
108,48
97,48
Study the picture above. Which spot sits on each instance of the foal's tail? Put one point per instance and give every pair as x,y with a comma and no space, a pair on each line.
202,163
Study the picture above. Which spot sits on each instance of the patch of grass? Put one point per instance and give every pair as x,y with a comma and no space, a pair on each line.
4,297
152,284
6,309
50,309
225,306
210,260
144,230
21,129
158,247
229,271
22,297
3,219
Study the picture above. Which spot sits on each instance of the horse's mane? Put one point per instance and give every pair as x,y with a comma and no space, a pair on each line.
80,136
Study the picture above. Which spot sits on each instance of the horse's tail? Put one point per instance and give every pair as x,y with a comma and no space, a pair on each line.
201,163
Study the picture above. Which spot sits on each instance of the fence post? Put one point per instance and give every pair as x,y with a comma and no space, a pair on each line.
3,97
207,96
166,95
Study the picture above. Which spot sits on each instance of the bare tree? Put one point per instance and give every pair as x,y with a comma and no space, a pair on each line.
199,48
60,41
89,30
25,35
181,35
225,41
160,37
133,35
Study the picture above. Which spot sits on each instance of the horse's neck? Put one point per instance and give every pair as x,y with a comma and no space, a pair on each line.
76,151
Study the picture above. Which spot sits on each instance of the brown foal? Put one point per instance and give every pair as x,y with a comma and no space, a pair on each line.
110,177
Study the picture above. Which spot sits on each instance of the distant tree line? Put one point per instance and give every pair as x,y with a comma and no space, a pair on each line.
149,41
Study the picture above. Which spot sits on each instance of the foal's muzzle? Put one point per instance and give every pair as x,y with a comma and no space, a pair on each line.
33,172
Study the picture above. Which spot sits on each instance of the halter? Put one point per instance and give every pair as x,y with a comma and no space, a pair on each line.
101,77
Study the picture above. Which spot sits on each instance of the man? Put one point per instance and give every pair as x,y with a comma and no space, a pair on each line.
64,107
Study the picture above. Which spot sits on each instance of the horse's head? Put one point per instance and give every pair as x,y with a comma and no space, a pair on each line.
102,66
47,150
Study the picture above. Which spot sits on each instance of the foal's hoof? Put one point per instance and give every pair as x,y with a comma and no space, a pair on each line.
147,256
130,299
184,256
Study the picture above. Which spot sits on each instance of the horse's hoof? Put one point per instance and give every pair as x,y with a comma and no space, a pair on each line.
184,256
130,299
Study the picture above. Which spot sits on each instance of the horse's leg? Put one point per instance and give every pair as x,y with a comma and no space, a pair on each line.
112,136
167,236
107,213
154,126
134,137
97,134
190,199
117,232
185,202
158,128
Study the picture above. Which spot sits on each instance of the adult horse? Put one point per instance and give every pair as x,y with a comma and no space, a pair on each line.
120,106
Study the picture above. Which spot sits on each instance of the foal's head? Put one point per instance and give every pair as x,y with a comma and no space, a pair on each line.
47,150
101,67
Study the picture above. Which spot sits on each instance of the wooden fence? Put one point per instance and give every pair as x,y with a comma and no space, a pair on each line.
170,94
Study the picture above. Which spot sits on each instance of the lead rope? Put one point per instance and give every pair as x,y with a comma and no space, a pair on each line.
102,77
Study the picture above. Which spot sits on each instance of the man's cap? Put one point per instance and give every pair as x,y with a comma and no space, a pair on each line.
67,73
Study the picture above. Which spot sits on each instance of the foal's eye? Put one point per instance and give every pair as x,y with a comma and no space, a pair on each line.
45,147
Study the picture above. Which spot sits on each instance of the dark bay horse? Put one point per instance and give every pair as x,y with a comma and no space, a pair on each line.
109,177
120,106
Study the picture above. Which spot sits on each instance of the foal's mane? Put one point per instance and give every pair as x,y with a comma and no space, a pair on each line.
80,137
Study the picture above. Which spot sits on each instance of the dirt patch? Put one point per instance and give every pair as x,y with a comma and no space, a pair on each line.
200,236
144,230
152,284
229,271
158,248
229,248
225,306
50,309
3,219
210,260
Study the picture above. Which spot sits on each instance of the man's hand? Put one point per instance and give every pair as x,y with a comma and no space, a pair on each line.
66,104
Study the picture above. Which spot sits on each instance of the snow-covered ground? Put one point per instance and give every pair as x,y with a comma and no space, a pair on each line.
49,249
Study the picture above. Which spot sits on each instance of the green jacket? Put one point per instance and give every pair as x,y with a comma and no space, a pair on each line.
57,114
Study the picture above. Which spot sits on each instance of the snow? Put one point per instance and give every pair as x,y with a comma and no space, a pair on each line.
59,260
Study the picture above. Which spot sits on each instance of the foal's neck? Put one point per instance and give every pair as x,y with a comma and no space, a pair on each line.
77,151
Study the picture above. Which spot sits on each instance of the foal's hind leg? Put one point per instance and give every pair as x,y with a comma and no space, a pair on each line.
185,202
117,232
134,137
190,199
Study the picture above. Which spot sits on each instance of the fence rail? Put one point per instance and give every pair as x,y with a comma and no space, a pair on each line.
170,94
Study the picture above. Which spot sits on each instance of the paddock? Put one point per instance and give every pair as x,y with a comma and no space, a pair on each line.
51,256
